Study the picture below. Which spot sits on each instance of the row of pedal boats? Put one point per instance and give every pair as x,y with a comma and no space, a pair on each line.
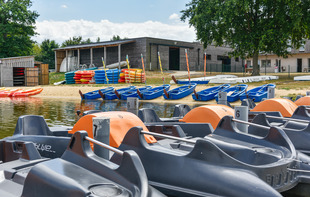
234,93
152,156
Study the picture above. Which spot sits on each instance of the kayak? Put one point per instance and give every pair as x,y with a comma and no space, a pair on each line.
153,93
180,92
233,92
7,93
257,94
95,94
209,93
133,92
26,93
116,94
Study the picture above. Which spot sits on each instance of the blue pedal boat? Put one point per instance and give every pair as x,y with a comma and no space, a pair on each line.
112,95
209,93
153,93
180,92
258,93
95,94
234,92
133,92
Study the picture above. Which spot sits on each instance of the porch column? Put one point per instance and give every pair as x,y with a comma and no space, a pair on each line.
119,56
91,55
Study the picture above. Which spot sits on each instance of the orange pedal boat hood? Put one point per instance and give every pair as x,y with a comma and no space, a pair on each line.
208,114
120,123
303,101
284,106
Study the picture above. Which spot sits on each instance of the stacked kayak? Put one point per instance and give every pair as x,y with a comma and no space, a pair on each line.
112,75
180,92
234,92
134,76
122,77
95,94
209,93
83,77
133,92
257,94
69,76
153,93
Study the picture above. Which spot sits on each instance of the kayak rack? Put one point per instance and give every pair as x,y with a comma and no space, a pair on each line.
115,150
288,119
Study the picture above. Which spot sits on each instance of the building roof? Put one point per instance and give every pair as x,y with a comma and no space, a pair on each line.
97,45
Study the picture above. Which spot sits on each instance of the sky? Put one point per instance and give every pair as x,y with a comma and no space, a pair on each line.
61,19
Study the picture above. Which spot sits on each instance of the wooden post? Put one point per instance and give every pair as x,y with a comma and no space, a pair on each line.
91,56
56,65
105,55
119,56
78,62
67,62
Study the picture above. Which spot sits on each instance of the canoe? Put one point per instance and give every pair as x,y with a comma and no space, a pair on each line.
116,94
153,93
26,93
202,80
95,94
78,172
258,93
180,92
234,92
133,92
209,93
302,78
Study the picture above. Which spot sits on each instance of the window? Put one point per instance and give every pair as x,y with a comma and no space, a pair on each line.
266,63
208,57
237,59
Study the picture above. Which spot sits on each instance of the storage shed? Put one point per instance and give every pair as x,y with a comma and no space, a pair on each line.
14,70
172,54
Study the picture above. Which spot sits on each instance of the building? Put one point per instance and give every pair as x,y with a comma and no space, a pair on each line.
172,54
297,61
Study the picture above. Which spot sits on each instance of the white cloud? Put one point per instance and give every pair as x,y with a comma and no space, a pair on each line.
64,6
174,16
61,30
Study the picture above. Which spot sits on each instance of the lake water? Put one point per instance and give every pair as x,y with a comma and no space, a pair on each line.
60,111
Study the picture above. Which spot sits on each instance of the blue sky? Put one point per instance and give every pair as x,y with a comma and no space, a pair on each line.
61,19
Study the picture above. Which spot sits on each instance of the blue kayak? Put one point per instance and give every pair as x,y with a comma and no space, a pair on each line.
209,93
180,92
234,92
258,93
153,93
112,95
133,92
95,94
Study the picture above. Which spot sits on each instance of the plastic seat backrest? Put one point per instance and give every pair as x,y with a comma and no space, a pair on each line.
148,115
32,125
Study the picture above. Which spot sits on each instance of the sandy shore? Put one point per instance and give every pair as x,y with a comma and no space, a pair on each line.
72,92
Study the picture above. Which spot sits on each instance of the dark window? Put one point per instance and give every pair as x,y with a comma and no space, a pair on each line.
208,57
237,59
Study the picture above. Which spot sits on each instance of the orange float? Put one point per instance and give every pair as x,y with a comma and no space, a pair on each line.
208,114
303,101
120,123
284,106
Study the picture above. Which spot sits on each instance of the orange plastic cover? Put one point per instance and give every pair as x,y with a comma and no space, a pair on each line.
303,101
284,106
120,123
208,114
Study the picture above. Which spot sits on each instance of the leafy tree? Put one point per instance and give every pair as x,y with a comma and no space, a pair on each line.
115,37
47,54
98,39
16,27
75,41
250,27
36,51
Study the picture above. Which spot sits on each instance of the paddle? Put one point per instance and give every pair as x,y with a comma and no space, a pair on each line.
117,94
128,67
166,93
205,65
143,69
196,95
189,76
139,93
82,95
105,71
161,68
101,94
174,79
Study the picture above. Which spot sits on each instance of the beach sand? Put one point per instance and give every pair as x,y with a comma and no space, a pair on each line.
72,92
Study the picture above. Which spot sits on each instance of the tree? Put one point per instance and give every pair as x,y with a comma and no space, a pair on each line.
250,27
47,54
117,37
75,41
16,27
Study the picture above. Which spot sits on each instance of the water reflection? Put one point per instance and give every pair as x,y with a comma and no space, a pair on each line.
63,111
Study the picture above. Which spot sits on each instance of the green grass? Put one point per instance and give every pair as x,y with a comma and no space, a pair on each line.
56,77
